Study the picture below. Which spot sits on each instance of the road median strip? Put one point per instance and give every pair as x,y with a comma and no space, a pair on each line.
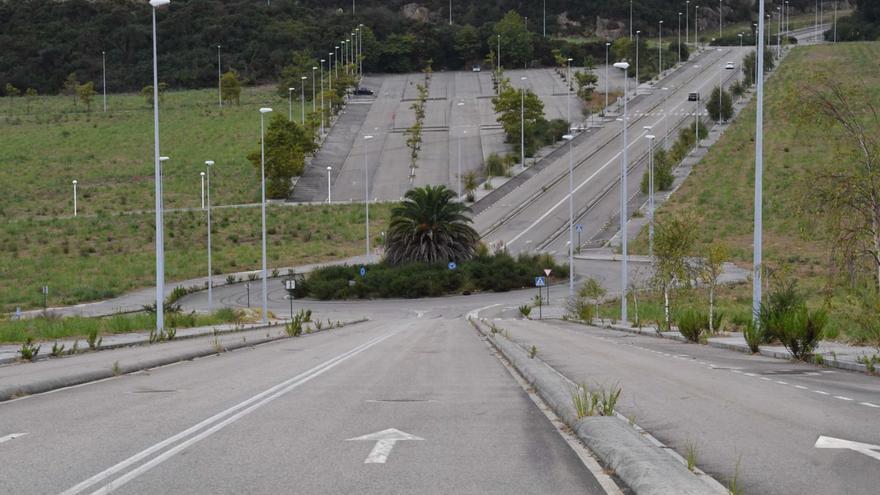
644,466
42,385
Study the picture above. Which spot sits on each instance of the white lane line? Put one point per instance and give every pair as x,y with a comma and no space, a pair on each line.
800,387
751,374
821,392
258,400
781,382
766,379
736,371
841,397
12,436
869,404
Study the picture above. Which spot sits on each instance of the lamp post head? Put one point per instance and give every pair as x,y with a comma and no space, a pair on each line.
291,89
622,65
164,158
523,78
323,60
314,68
570,60
366,138
568,137
304,78
661,22
75,182
159,3
218,47
202,174
650,136
329,168
265,110
607,44
209,163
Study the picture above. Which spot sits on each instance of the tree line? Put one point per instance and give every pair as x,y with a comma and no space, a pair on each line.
46,41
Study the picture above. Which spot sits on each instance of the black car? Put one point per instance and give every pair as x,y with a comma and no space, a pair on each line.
363,92
694,97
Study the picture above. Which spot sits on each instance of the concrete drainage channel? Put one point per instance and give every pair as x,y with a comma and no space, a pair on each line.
47,385
640,461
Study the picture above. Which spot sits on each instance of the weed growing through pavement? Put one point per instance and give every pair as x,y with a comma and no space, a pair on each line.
870,362
93,340
733,487
525,310
28,350
75,348
57,350
117,370
599,402
533,351
690,448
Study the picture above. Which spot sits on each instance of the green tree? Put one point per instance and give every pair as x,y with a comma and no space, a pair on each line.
30,95
720,106
586,82
287,144
467,44
674,238
663,177
230,87
592,289
748,65
300,65
147,93
86,94
71,84
509,103
711,267
517,47
430,226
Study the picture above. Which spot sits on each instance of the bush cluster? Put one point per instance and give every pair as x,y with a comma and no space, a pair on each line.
497,273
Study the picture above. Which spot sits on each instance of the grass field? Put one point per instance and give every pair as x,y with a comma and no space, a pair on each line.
720,189
111,155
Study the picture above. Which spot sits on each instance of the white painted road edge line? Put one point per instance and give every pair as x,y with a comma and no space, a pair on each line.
260,399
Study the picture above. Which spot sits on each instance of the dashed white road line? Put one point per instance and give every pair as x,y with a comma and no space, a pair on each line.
12,436
869,404
781,382
821,392
800,387
841,397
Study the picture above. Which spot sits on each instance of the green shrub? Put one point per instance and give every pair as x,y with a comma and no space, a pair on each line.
753,335
786,318
525,310
28,350
692,324
495,166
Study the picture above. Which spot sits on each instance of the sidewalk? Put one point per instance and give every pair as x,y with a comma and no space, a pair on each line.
136,300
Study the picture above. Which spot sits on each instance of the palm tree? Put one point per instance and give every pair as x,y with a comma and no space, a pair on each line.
430,226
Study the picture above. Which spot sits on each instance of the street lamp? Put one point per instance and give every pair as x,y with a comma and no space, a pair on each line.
607,46
104,78
219,79
202,174
322,97
568,91
498,64
336,54
637,62
679,37
522,123
759,170
328,185
450,12
74,197
209,163
290,104
160,239
687,22
303,99
460,104
366,194
570,139
330,70
314,100
624,66
264,111
740,40
660,48
651,196
697,26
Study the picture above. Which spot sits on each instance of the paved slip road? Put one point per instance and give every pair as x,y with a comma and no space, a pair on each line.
276,419
764,413
537,211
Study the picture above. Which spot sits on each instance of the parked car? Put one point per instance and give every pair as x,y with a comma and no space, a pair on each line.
363,92
476,68
730,65
693,96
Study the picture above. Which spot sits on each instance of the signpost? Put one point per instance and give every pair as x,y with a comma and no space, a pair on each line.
547,272
363,271
579,228
290,286
540,282
45,297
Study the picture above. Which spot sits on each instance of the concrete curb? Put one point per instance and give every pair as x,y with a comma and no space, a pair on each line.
49,384
785,356
643,466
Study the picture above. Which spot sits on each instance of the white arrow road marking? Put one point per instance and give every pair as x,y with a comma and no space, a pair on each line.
838,443
11,437
385,441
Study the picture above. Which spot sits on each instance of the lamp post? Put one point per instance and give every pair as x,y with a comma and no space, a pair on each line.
499,53
522,123
568,91
330,70
450,12
570,138
607,46
329,200
290,104
630,19
160,239
209,164
264,111
637,62
344,56
624,275
679,37
74,197
697,26
740,40
202,174
759,171
303,99
835,20
460,104
314,100
322,97
660,48
651,196
545,18
366,194
219,79
336,54
687,22
104,78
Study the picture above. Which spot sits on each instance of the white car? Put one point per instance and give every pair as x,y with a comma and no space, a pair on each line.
730,65
475,68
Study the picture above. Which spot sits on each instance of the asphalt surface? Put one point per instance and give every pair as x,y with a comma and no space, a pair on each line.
534,215
761,413
278,418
